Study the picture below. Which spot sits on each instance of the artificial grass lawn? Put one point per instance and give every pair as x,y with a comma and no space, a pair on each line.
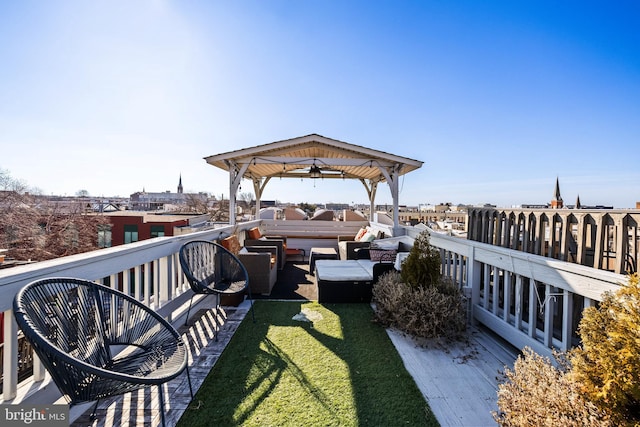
341,370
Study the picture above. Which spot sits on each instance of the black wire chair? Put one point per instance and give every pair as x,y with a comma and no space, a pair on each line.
97,342
211,269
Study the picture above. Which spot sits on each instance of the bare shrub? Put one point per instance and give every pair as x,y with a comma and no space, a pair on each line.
417,300
537,393
436,311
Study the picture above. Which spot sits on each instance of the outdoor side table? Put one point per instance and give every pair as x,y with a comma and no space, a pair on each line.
320,253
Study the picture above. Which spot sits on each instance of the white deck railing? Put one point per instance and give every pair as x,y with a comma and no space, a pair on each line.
526,299
529,300
148,270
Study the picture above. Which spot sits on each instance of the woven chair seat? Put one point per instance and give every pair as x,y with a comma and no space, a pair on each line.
227,287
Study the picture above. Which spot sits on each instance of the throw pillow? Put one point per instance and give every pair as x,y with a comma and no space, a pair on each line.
254,233
385,255
379,252
231,244
368,237
361,233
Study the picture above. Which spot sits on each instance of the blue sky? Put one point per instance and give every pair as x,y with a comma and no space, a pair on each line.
497,98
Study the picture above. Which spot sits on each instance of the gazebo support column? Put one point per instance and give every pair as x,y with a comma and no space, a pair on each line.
371,187
392,176
258,189
235,177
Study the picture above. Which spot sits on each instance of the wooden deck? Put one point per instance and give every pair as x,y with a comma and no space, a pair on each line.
459,381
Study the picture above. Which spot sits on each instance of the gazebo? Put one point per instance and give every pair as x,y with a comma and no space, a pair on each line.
313,156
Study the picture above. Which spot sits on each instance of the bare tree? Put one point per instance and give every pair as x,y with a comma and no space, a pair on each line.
196,203
35,228
246,198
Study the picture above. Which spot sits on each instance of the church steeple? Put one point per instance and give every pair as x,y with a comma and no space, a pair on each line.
556,202
180,185
578,204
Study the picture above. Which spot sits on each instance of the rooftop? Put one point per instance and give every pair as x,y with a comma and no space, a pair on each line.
459,382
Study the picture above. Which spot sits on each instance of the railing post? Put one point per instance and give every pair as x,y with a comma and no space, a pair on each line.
164,277
567,319
38,369
622,241
548,316
533,307
506,296
126,282
518,303
473,279
10,362
137,282
496,290
146,282
487,285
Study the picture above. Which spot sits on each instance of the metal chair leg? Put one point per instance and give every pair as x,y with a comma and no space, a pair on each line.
253,316
93,411
161,397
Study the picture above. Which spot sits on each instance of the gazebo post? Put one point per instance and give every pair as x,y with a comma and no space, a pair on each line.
258,192
258,189
371,188
395,194
392,176
372,200
235,178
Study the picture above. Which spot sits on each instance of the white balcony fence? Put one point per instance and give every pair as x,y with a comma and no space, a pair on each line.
149,270
526,299
529,300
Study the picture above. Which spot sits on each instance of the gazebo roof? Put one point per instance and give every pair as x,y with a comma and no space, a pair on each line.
293,158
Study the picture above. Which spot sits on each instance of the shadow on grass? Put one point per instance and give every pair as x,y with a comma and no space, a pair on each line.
341,370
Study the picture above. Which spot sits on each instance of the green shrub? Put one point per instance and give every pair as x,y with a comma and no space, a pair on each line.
422,268
607,363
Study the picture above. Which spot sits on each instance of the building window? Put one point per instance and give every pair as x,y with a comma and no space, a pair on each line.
130,233
104,236
157,231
